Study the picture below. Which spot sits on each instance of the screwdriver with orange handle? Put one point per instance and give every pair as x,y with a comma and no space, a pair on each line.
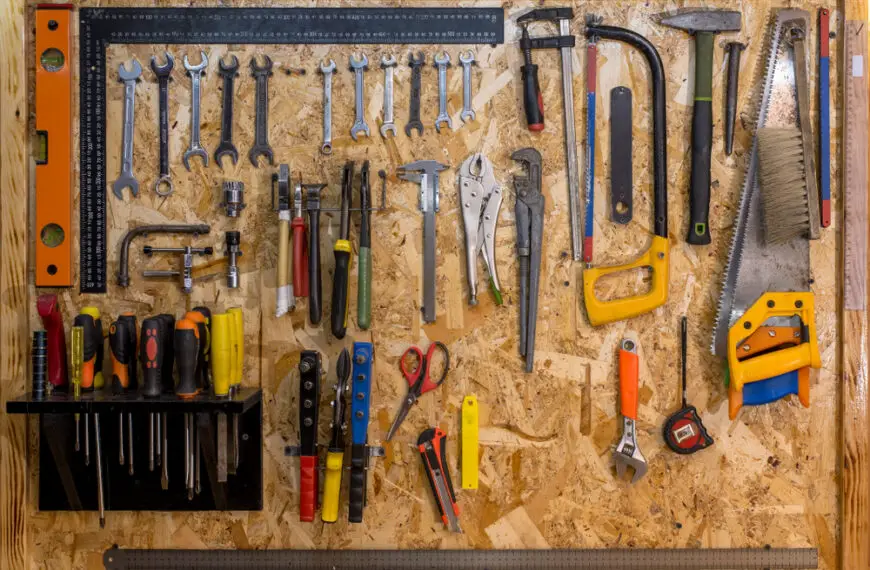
122,348
186,356
92,360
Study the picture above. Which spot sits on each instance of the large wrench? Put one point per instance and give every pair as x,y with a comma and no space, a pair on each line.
126,179
359,67
466,58
326,70
442,62
388,63
416,64
195,72
163,186
261,126
226,146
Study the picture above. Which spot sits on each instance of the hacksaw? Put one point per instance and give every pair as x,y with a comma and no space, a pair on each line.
774,288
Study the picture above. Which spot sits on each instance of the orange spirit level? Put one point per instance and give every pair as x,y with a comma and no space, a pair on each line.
54,148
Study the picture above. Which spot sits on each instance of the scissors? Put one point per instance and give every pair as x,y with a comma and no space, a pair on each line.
419,381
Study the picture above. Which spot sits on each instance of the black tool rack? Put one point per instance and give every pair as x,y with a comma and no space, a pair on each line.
67,484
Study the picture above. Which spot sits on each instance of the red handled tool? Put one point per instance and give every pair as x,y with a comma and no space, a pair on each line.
49,311
431,446
300,246
684,433
419,380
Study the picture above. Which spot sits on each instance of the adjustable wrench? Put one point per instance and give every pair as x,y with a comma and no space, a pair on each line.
359,67
627,453
326,70
467,60
442,62
261,126
416,64
163,186
226,146
195,72
126,178
388,63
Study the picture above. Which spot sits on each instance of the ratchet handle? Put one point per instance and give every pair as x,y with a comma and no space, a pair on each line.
300,258
307,487
628,374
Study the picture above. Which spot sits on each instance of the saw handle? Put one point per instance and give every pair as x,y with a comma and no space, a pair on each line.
628,374
702,137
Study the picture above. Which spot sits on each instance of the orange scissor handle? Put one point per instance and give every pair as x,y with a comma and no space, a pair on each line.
418,377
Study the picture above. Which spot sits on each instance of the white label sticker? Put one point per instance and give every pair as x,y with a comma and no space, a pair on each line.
857,66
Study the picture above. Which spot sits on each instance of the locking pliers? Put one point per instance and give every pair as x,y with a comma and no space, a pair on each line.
480,196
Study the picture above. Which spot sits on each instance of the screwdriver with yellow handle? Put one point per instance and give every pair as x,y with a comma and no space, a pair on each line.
335,452
221,359
237,374
341,277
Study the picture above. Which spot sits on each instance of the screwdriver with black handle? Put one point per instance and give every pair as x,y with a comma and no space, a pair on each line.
122,348
364,287
92,360
340,279
202,322
152,348
186,344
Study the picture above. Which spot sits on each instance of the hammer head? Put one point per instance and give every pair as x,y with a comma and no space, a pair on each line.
710,21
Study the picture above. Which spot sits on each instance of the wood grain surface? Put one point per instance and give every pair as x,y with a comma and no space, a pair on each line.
546,478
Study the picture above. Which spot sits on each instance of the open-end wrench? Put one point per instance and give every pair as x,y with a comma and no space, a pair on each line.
195,72
359,66
388,63
326,69
416,65
261,126
466,58
442,62
163,186
226,146
126,179
627,453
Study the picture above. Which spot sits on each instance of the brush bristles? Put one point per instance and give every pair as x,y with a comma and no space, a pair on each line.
783,184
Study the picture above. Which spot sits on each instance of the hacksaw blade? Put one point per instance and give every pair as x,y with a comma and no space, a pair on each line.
783,267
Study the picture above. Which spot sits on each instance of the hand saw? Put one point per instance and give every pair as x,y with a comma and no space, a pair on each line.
767,285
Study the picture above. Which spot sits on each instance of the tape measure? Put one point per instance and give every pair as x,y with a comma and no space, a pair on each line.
684,432
99,27
580,559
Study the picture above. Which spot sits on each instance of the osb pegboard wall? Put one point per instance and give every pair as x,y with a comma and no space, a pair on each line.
546,438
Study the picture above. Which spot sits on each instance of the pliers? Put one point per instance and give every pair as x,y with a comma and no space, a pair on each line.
480,196
529,211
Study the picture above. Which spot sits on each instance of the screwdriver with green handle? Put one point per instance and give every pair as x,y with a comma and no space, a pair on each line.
342,257
364,287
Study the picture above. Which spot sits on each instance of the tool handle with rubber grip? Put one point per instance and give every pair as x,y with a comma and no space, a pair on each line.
702,137
332,485
122,348
151,349
221,353
167,335
364,289
340,283
186,345
357,491
315,309
533,101
628,374
300,258
52,322
307,487
238,344
89,349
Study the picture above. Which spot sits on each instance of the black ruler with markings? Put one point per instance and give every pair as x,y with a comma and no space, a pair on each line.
99,27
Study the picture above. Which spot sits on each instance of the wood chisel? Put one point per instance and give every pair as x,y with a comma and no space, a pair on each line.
431,444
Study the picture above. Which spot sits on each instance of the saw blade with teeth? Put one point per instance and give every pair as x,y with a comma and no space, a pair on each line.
755,267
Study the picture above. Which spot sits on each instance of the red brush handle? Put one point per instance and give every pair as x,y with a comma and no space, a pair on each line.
49,310
307,487
300,258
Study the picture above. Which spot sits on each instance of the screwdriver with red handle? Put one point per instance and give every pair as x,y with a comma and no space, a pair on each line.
52,321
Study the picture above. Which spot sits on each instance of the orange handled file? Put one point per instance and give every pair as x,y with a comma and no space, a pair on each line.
54,160
628,373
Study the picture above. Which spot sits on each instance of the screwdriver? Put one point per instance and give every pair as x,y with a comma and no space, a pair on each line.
186,357
221,364
201,321
238,336
52,321
122,347
340,279
533,101
92,360
152,349
364,287
76,348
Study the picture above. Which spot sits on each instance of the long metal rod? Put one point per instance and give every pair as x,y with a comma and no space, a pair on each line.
571,142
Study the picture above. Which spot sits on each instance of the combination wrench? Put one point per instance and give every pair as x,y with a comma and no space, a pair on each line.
126,178
163,186
195,72
388,63
326,70
261,126
226,146
467,60
359,67
416,65
442,62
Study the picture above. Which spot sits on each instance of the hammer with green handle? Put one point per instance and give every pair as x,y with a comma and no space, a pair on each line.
703,24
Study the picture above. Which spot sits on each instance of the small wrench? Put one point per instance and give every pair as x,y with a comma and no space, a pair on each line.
163,186
261,126
359,67
627,453
195,72
126,179
467,60
388,63
226,146
326,70
442,62
416,64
